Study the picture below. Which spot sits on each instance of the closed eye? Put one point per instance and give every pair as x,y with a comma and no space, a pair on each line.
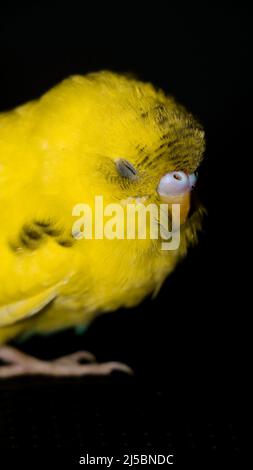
126,169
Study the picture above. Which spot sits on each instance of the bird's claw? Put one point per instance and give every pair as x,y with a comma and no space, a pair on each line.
19,363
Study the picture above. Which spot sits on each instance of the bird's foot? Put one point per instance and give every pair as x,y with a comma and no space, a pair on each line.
19,363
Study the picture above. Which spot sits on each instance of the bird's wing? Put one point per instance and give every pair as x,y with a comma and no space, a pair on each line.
16,311
32,277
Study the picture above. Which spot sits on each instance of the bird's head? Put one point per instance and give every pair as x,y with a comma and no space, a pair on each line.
134,142
147,146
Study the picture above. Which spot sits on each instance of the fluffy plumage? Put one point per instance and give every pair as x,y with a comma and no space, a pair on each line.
60,150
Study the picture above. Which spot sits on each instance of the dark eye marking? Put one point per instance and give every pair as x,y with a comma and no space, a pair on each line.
125,169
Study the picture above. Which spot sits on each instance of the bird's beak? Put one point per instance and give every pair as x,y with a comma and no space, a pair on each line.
175,188
184,202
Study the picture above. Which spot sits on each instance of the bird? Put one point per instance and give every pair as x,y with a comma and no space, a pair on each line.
103,134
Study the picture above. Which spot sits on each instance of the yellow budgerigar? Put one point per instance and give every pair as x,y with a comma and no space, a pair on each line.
102,135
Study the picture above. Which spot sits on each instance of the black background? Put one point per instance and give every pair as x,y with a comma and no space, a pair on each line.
190,348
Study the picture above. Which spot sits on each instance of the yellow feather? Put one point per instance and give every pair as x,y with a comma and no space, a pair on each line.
59,151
